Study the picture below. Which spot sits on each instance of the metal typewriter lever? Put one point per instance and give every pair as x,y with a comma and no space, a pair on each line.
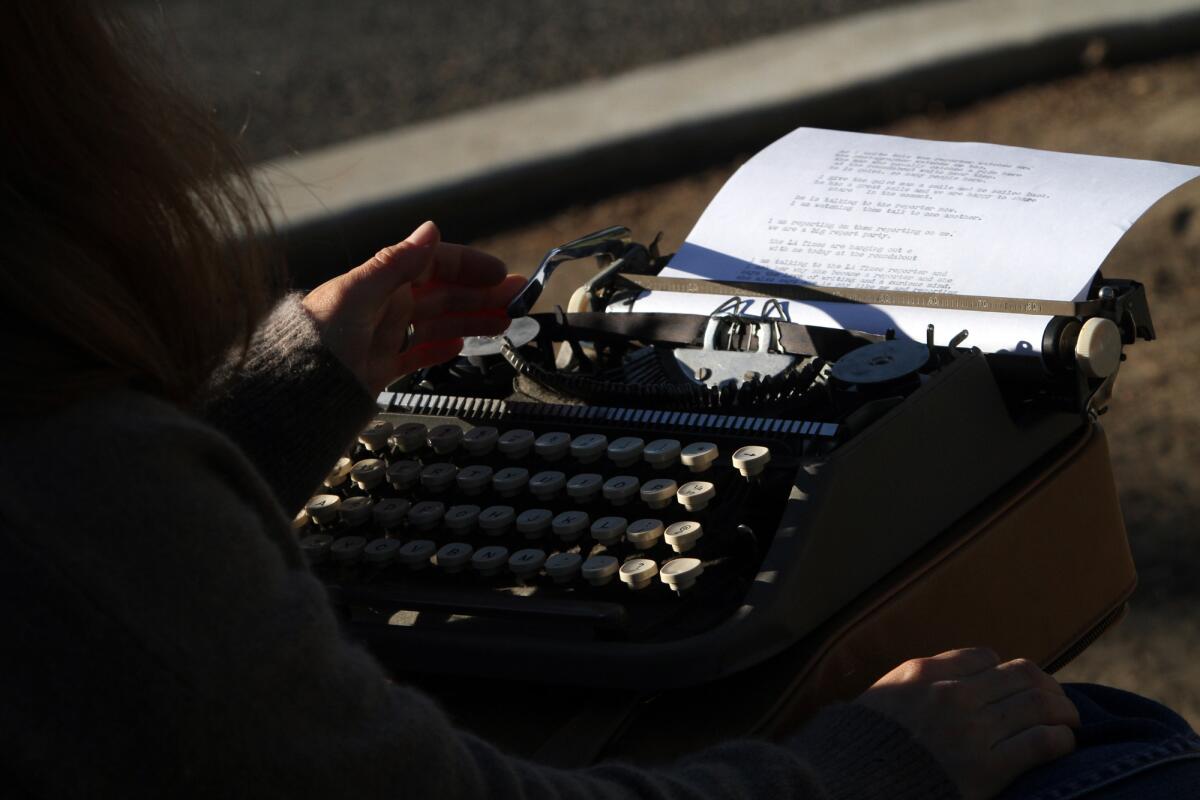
726,353
610,242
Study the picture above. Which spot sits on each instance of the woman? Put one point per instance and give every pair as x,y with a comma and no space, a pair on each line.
164,405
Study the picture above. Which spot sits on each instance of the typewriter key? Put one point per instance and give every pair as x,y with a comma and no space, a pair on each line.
347,549
584,487
661,453
316,547
696,495
589,447
416,554
644,533
751,459
515,443
552,446
621,489
570,525
454,556
425,515
599,570
340,472
608,530
489,560
438,477
510,481
381,551
356,510
562,567
480,441
474,479
546,484
444,439
409,437
526,563
375,436
682,536
404,474
300,522
659,492
698,456
534,522
681,573
495,520
625,451
637,573
323,508
461,518
390,513
368,473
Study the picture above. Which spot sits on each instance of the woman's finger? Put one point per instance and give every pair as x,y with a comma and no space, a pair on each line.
430,302
950,665
463,266
1009,678
394,266
1029,709
456,326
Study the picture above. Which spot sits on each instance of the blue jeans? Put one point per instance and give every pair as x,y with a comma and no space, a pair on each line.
1127,747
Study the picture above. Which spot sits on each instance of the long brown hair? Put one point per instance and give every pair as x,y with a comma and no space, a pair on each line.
132,238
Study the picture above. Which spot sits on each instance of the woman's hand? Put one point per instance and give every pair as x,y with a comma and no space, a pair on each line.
985,722
445,291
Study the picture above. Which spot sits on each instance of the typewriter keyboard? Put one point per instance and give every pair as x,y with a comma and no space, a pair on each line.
560,520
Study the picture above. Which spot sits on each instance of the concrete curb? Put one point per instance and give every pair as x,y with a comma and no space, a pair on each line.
483,170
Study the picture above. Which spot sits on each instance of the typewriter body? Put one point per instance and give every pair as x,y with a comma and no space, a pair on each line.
652,504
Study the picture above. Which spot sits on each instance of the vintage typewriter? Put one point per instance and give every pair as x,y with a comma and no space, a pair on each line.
626,505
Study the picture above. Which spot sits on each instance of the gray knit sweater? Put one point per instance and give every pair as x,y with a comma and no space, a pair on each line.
162,636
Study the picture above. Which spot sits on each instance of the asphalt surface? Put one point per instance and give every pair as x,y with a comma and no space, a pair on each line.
288,76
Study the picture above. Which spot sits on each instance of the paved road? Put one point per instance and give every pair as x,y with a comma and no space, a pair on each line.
291,75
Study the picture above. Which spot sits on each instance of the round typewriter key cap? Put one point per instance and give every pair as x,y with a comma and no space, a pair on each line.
625,451
409,437
368,473
438,477
495,520
696,495
489,560
644,533
534,522
480,441
404,475
546,484
444,439
751,459
300,522
659,492
637,573
562,567
356,510
621,489
515,443
570,525
323,508
461,518
390,513
599,570
609,530
662,453
510,481
375,436
681,573
699,456
416,554
340,472
584,487
315,547
589,447
474,479
552,446
682,536
526,563
426,515
454,556
381,551
347,549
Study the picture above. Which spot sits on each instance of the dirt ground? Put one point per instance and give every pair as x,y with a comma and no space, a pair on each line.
1147,111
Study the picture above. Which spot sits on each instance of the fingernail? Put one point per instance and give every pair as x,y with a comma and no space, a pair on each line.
425,235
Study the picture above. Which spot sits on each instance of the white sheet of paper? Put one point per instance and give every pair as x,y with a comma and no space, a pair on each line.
856,210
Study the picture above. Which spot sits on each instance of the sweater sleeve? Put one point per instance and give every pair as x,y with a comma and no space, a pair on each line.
186,651
290,404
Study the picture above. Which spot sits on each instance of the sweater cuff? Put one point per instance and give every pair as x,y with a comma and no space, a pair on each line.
860,753
290,404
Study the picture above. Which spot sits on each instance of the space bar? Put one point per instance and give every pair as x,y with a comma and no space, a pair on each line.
608,616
